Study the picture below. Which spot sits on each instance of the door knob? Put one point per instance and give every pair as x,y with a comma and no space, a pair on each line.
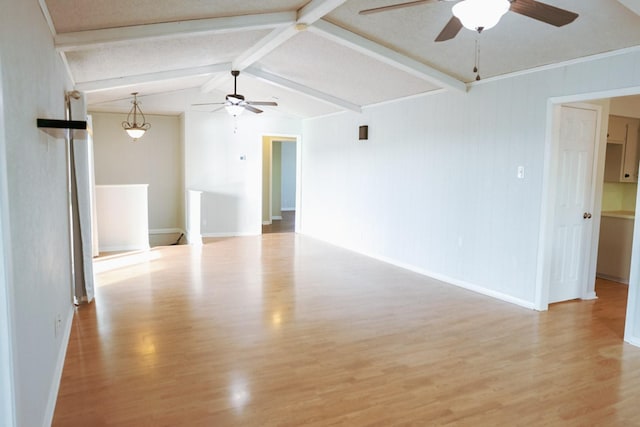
586,215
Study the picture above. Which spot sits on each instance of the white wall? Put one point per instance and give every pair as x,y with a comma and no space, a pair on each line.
627,106
435,189
34,82
156,159
231,186
288,175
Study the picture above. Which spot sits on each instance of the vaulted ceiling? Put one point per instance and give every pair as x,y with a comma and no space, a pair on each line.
312,57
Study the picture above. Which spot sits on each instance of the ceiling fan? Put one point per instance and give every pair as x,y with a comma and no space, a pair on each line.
235,103
465,15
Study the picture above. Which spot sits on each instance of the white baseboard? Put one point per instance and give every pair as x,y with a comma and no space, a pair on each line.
287,209
613,278
633,341
166,231
230,234
266,222
276,217
443,278
124,248
57,374
108,263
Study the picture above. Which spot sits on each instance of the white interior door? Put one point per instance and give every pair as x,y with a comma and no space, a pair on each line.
573,205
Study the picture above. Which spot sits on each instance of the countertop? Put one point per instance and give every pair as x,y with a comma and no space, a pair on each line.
619,214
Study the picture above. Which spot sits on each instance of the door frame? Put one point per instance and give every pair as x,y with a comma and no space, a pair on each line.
274,137
547,208
7,380
550,180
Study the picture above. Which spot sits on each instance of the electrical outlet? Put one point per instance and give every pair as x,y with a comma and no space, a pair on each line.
520,172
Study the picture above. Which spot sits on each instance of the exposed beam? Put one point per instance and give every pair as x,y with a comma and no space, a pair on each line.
264,47
310,13
216,81
108,36
386,55
99,85
296,87
316,9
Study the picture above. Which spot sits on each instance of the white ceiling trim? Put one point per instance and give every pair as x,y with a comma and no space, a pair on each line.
632,5
47,17
296,87
67,67
109,36
367,47
118,82
316,9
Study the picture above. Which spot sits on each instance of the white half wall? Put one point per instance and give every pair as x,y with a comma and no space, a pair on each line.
435,187
223,159
123,220
156,159
34,81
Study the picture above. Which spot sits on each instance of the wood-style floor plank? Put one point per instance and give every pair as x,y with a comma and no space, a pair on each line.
283,330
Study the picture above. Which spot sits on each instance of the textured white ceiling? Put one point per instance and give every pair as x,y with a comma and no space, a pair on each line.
344,61
80,15
344,73
142,57
516,43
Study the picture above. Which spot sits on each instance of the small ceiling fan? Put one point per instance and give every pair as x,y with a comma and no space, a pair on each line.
235,103
530,8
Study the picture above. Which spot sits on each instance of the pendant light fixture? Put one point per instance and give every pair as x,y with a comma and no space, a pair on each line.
480,15
134,129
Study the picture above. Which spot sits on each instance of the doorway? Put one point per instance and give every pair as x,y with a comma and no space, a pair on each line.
548,210
280,184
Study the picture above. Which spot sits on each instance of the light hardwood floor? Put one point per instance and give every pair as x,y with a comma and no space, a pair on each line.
285,225
283,330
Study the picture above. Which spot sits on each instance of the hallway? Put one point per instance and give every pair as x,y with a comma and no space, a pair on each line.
285,225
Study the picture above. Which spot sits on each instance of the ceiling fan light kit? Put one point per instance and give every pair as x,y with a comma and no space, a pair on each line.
480,15
234,109
235,103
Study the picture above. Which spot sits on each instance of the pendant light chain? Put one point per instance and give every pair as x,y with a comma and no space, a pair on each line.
476,67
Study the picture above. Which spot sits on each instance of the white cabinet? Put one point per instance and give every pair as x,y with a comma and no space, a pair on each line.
621,163
614,247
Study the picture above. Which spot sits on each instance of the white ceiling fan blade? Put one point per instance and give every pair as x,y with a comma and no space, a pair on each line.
252,109
271,103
